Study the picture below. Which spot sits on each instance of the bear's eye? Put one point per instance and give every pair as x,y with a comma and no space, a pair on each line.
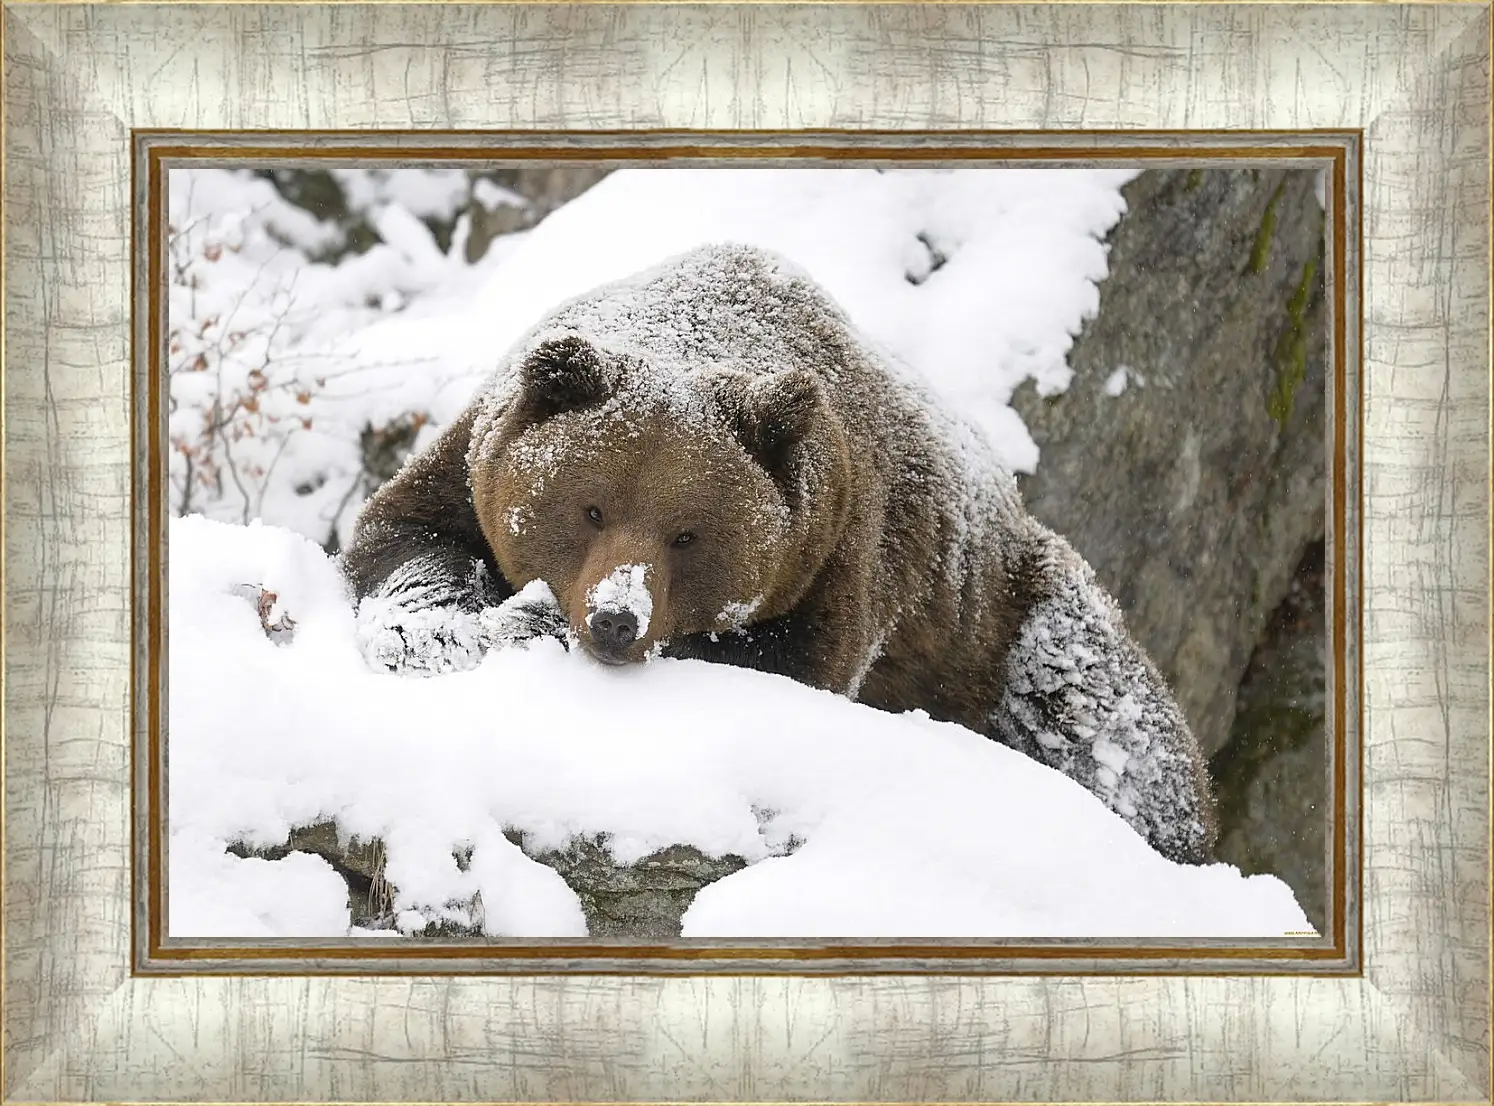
595,514
684,539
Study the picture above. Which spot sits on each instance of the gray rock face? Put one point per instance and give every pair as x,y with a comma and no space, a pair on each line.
646,900
1272,777
544,188
1194,491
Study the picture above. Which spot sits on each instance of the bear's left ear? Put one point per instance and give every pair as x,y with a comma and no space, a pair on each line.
777,413
562,374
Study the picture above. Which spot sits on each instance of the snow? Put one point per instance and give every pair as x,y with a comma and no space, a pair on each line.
493,196
977,278
910,827
1116,382
266,413
735,615
624,588
395,632
424,193
214,894
1022,257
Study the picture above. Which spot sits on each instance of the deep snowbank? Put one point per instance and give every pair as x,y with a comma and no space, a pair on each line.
912,828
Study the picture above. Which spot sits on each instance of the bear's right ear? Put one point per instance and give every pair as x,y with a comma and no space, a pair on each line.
562,374
778,412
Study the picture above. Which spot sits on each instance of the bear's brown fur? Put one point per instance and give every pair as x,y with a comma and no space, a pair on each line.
716,436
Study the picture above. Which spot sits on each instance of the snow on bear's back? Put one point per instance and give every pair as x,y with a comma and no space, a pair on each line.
721,305
715,307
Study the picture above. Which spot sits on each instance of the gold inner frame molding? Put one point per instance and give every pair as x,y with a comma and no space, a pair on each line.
156,152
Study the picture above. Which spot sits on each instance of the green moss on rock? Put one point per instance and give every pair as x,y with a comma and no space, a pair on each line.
1260,253
1291,349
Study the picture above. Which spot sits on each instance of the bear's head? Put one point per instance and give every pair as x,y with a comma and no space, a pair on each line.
658,503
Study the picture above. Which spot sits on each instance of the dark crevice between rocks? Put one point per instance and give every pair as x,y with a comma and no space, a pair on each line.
1271,777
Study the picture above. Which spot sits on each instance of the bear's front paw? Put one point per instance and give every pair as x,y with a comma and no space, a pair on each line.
422,642
532,613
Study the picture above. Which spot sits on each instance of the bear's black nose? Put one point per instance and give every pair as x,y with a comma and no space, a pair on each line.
613,629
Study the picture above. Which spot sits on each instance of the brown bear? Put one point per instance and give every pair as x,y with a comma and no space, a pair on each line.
709,461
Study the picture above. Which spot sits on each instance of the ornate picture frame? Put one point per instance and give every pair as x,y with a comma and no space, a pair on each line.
1403,1014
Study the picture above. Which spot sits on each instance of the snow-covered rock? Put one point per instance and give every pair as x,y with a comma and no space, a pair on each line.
905,827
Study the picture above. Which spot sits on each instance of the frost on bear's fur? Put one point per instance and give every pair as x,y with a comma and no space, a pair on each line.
1082,697
857,536
417,624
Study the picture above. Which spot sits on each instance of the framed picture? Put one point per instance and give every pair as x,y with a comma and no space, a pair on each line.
826,596
330,413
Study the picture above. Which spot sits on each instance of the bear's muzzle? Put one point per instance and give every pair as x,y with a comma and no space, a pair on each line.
613,631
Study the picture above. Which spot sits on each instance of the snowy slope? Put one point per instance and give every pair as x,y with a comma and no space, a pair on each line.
912,828
1018,254
977,278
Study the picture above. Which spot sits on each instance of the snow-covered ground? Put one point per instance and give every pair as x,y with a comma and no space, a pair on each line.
911,828
978,279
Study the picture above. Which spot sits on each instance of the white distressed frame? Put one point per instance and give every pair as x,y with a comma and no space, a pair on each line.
79,78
